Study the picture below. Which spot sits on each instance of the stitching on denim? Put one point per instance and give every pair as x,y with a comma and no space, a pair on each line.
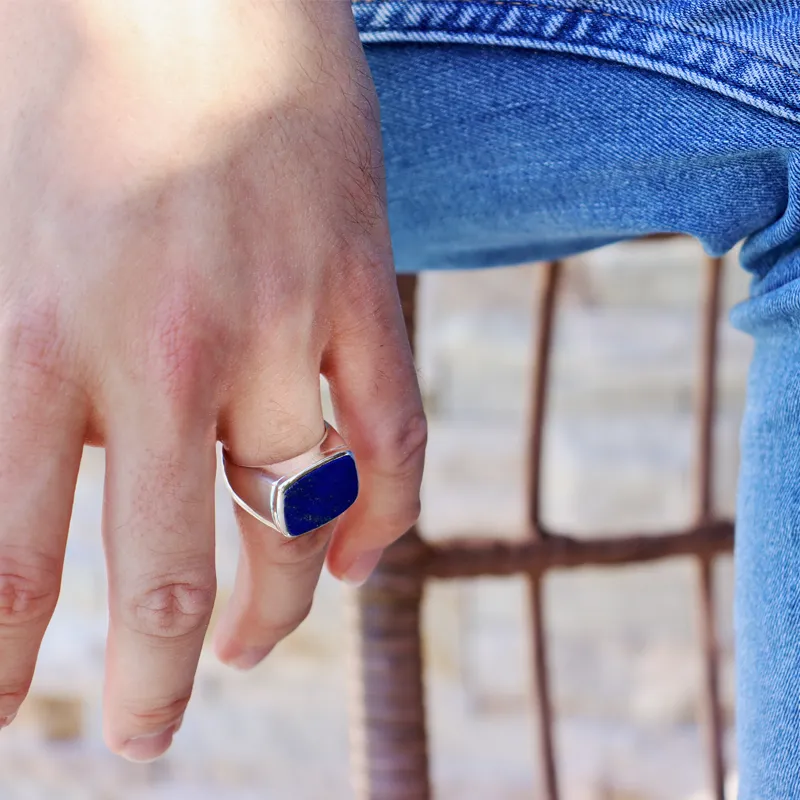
611,15
772,99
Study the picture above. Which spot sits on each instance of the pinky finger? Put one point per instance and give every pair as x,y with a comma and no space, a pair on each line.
379,412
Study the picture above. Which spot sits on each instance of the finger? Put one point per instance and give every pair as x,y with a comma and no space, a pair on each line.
159,536
276,576
274,590
41,443
378,407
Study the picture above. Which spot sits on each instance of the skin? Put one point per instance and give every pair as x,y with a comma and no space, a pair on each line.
193,229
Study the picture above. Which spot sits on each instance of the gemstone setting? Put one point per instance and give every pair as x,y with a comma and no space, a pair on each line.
319,495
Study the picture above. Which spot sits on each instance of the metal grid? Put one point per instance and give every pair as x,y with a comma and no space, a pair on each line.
388,731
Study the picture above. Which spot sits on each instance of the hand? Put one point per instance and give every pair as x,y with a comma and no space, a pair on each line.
193,230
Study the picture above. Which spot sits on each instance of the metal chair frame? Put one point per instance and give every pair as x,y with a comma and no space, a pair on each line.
388,725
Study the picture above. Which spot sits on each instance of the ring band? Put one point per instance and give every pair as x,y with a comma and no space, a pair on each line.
299,495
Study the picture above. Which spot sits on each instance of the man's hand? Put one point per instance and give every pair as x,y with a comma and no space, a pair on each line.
193,229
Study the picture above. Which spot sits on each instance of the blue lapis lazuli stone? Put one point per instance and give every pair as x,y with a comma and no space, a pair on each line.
320,495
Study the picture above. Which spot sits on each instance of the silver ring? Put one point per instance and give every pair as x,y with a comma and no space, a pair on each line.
300,495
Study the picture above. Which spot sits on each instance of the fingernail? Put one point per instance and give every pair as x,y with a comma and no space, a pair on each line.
358,572
6,721
250,657
148,748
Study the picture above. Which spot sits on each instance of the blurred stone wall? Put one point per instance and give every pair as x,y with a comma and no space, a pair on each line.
625,667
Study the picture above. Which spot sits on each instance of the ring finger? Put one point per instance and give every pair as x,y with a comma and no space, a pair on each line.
276,576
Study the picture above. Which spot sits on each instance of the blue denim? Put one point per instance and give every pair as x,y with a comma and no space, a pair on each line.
746,49
500,155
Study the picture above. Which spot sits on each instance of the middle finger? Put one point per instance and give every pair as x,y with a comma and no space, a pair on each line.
159,535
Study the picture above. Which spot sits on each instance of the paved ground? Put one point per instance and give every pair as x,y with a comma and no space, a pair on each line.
624,664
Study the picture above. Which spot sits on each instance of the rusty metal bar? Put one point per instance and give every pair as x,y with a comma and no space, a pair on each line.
551,274
389,746
541,689
389,738
543,345
704,501
472,558
707,391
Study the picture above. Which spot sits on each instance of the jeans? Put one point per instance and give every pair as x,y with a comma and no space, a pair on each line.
747,49
502,155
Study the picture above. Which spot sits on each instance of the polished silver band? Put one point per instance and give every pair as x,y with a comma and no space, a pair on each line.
299,495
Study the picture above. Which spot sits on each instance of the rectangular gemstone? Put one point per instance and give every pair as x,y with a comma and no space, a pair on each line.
320,495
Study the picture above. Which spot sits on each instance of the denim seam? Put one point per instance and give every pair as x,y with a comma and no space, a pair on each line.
612,15
615,49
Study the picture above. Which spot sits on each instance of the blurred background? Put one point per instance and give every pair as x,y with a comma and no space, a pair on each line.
625,666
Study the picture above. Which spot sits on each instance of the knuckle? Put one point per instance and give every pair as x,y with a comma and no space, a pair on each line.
173,608
275,631
399,449
178,365
32,341
179,356
159,714
12,696
364,293
397,522
29,585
